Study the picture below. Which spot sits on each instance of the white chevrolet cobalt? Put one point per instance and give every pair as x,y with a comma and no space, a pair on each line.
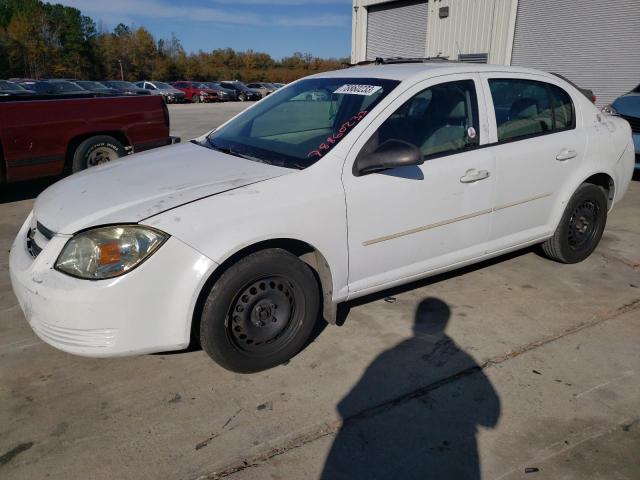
338,185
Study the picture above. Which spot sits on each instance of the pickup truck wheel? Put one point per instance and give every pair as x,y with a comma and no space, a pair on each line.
581,226
260,312
95,151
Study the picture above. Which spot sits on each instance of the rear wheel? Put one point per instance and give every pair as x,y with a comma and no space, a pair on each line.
260,312
581,226
195,98
95,151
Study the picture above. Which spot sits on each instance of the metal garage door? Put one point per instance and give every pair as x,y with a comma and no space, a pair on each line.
594,43
397,29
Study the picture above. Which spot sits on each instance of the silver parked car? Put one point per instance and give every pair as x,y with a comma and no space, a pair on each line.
169,93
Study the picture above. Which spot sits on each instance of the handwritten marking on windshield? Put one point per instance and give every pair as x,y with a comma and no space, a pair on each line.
324,147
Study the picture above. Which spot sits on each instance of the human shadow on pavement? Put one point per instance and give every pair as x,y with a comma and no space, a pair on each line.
427,434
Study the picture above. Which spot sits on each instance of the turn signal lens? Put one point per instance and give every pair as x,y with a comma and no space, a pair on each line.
108,252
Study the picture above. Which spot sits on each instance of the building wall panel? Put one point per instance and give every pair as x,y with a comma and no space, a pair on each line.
594,43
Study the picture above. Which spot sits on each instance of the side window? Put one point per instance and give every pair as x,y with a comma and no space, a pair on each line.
526,107
439,120
562,108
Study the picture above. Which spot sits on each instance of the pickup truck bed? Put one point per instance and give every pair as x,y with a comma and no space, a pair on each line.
44,136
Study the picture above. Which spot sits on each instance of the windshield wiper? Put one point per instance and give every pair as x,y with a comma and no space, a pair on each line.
230,151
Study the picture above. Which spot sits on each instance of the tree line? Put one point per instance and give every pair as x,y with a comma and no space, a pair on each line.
41,40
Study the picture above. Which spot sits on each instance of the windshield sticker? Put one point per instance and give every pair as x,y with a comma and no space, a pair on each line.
325,146
366,90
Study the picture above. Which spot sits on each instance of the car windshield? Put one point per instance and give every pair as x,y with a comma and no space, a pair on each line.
239,86
4,85
66,87
163,86
297,126
122,84
88,84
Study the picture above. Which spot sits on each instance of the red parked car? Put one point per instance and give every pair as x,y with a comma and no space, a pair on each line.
196,92
47,135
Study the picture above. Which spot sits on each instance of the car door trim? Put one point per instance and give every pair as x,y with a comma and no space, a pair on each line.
520,202
404,233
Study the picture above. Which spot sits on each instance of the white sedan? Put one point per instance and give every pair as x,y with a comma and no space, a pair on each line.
243,238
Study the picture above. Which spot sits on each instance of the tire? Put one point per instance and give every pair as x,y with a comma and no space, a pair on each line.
195,98
581,226
260,312
242,97
95,151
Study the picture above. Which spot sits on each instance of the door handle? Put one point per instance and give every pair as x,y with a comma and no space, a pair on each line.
566,154
474,175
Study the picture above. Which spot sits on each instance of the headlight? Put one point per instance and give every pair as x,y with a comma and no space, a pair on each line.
609,110
107,252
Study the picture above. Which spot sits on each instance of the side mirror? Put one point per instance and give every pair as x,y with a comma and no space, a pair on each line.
391,154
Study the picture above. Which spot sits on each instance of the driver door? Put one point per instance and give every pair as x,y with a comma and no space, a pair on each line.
407,221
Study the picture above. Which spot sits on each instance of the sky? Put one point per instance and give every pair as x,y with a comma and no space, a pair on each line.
277,27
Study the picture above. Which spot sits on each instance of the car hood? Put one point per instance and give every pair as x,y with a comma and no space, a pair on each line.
134,188
628,104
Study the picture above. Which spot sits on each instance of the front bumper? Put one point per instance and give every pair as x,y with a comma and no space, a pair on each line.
146,310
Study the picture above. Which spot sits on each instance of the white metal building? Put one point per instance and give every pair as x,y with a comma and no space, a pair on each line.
594,43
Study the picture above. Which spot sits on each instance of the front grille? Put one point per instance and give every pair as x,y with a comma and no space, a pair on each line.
37,238
634,122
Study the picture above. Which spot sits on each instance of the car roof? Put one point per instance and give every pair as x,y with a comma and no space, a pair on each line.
403,71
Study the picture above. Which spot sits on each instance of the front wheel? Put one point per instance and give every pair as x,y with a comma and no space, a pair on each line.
260,312
195,98
581,226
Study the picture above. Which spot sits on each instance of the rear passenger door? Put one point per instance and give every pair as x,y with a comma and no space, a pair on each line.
536,146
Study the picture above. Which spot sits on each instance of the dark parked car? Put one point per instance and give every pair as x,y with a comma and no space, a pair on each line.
54,87
169,93
125,88
11,88
96,87
225,94
627,106
196,92
46,138
243,93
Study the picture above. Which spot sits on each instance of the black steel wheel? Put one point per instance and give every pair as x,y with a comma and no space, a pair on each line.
581,226
261,315
260,312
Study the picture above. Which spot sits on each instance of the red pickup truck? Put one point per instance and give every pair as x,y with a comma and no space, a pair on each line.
47,136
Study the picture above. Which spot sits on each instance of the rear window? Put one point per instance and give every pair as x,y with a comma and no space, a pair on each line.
526,108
